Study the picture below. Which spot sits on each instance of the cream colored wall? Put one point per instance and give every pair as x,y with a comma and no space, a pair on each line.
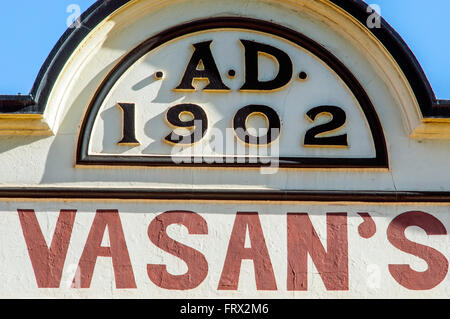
368,259
48,161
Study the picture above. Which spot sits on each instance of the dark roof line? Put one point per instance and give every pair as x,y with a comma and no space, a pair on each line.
35,102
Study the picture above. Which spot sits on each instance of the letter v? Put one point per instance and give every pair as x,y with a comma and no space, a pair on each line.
47,263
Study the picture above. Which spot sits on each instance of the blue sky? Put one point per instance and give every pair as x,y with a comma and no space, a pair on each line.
29,29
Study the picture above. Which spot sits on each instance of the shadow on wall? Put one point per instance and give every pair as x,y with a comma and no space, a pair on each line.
59,167
9,143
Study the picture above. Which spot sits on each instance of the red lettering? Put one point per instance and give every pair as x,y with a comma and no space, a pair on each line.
437,263
123,271
47,263
196,262
332,264
264,275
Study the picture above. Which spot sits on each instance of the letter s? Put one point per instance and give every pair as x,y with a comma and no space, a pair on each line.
196,262
437,263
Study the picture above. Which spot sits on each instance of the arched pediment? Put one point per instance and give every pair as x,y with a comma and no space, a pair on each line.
82,95
30,114
236,43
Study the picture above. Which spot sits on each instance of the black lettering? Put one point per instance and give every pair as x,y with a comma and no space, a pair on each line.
202,67
128,127
198,124
240,124
338,119
252,51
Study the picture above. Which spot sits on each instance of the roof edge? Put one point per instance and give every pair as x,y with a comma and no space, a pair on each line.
35,102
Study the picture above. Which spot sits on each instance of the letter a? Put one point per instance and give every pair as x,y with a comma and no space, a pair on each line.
202,67
258,253
123,272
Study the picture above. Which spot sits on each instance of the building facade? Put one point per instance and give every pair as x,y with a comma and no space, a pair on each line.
226,149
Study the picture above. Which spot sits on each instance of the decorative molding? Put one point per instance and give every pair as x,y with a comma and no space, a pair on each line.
381,155
430,106
225,195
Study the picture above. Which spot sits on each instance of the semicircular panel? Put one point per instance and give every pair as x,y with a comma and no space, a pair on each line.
231,92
